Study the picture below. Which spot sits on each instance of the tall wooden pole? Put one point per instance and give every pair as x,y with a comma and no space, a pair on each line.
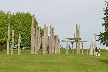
66,46
8,40
12,42
42,44
57,44
73,48
91,48
48,44
77,50
78,40
36,41
44,40
32,35
39,40
58,51
50,40
94,43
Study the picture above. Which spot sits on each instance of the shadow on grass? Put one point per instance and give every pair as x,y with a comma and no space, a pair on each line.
104,61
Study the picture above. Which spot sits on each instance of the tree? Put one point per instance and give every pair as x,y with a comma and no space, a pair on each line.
103,36
20,22
4,20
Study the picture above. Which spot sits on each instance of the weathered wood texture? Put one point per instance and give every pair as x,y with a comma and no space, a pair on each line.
36,44
32,35
50,44
50,40
73,38
94,44
76,39
44,40
37,40
82,42
79,40
58,44
12,42
72,41
8,40
77,36
91,49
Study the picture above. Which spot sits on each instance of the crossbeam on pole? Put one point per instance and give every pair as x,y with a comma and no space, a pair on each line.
73,38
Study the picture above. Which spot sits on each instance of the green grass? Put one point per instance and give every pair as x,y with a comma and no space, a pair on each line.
53,63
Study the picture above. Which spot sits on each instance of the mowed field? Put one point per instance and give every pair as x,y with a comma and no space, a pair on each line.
54,62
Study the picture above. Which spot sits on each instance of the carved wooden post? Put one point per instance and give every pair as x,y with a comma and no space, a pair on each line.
44,40
42,43
82,46
66,46
94,53
77,50
12,42
35,40
58,49
50,40
19,41
8,40
91,49
72,45
94,44
78,40
36,34
39,42
48,43
32,35
57,43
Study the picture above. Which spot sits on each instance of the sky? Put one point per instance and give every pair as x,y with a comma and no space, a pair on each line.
63,15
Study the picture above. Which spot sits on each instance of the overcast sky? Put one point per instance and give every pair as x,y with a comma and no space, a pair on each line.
63,15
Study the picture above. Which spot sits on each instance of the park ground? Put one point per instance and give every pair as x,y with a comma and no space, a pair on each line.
54,62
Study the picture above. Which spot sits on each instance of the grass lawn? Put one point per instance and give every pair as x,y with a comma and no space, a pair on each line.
53,63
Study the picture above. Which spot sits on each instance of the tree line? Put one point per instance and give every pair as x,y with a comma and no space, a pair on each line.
20,22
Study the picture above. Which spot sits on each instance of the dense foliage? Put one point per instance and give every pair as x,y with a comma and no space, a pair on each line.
20,22
103,37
